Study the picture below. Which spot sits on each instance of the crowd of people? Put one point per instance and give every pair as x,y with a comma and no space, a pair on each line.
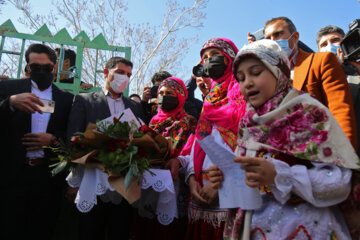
290,116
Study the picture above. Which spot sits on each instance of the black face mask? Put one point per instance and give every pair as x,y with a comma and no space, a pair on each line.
215,67
42,79
167,103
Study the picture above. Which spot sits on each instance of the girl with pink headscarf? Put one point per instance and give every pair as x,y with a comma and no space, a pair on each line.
223,107
292,149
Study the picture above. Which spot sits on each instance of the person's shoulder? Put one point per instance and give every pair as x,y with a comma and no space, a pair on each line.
132,102
63,92
15,82
325,56
89,95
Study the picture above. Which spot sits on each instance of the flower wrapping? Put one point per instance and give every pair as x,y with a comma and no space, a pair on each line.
122,149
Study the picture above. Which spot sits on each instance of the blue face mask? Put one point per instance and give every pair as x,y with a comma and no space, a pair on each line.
284,44
331,48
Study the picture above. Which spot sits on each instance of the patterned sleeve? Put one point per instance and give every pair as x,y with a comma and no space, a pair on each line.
180,132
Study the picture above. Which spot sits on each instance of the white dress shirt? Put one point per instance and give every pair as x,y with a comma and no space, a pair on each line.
39,122
116,106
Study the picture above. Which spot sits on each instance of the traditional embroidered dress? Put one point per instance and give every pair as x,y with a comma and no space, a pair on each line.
222,109
177,125
310,153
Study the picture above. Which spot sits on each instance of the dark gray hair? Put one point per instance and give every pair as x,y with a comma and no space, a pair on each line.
112,62
290,24
328,29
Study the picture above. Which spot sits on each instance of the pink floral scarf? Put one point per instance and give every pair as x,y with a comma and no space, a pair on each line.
291,122
223,106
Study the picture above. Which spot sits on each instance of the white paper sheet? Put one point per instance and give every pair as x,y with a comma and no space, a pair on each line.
233,192
127,116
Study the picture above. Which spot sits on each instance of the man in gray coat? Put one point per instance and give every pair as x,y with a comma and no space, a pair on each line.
105,219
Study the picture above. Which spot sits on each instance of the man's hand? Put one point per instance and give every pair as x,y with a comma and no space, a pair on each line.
210,194
146,94
27,102
71,194
194,191
259,171
173,164
86,86
204,84
250,38
356,64
4,77
35,141
216,176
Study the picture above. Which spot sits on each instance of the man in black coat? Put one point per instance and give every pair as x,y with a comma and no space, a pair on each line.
31,197
104,219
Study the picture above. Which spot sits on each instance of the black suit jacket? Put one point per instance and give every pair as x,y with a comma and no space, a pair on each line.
91,107
14,124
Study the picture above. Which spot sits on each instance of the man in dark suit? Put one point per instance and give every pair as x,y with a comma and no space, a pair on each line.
30,195
88,108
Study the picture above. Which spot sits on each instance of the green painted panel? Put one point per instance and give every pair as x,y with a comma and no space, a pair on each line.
63,35
82,37
100,40
43,31
7,26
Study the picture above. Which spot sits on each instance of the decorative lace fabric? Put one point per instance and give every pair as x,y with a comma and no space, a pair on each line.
322,187
158,192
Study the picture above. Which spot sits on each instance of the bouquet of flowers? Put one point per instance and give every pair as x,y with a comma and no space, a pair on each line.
122,149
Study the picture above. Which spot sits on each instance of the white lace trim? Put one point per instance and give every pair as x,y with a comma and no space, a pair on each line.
92,183
164,196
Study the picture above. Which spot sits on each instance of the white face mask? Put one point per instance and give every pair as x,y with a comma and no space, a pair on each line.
331,48
120,82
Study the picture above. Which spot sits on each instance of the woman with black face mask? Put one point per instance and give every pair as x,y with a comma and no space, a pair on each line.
172,122
223,107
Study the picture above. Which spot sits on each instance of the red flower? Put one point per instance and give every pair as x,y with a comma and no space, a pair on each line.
75,139
327,152
112,146
142,153
146,129
116,120
356,192
122,145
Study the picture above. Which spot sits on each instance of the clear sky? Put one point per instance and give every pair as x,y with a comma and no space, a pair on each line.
234,18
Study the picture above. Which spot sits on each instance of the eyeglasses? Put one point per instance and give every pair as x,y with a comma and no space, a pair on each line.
35,67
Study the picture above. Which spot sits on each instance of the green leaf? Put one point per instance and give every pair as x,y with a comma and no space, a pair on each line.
60,167
128,178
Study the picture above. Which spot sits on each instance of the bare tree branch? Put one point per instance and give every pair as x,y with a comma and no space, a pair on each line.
154,48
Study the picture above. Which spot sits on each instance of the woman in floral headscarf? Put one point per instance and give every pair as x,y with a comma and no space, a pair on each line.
172,122
292,148
223,107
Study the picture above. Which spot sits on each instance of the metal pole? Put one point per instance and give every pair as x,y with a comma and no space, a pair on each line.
2,46
21,58
96,63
